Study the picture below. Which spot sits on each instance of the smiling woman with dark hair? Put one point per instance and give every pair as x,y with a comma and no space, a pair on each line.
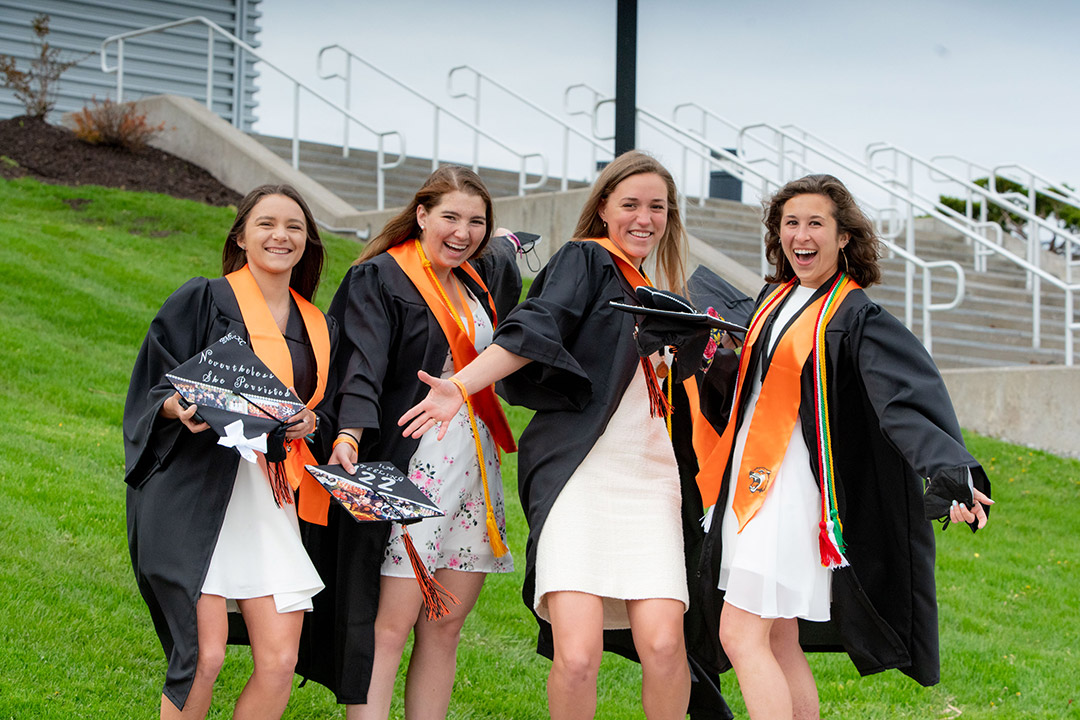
208,533
836,417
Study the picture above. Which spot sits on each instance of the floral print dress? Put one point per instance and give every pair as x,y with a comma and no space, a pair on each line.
448,472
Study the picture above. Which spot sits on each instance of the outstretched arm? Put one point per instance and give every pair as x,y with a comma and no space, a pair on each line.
444,398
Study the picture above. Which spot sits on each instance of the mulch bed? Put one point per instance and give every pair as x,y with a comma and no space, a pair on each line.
30,147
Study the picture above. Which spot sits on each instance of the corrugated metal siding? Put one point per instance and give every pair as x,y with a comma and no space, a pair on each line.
173,61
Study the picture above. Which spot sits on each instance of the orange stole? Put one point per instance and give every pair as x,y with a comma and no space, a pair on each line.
704,439
462,350
658,404
270,346
777,406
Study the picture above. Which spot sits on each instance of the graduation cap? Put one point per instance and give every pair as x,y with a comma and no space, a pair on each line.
378,491
238,397
524,243
709,290
669,319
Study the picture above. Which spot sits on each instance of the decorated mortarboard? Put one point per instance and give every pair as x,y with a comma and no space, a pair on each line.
238,397
378,491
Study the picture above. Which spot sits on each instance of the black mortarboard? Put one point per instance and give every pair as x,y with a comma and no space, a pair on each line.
376,491
709,290
230,384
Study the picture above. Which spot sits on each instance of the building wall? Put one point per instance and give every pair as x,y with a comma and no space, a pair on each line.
172,61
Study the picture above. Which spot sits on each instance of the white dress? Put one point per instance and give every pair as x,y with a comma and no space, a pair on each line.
448,472
259,551
615,530
773,567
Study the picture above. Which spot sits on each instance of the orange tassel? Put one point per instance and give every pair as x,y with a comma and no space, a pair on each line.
279,483
435,595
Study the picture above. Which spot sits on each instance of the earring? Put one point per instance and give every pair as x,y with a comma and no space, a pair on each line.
843,255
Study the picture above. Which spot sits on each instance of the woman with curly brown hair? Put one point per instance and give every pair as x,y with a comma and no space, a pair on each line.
838,415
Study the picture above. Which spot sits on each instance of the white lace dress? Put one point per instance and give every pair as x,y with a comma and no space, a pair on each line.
773,568
448,472
615,530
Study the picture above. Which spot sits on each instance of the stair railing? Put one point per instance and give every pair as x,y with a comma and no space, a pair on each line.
1038,184
746,171
214,32
589,111
438,111
905,181
788,154
701,128
480,79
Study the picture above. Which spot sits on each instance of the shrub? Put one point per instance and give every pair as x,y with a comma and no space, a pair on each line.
36,88
110,123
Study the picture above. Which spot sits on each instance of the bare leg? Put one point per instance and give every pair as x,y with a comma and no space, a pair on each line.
213,632
657,627
746,640
399,607
275,639
577,623
784,640
430,680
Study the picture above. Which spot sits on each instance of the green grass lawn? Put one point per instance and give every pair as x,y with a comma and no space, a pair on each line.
83,271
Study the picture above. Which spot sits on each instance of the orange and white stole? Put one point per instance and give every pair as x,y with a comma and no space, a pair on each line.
659,405
777,410
270,347
410,257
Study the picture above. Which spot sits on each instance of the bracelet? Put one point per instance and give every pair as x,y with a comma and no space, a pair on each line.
461,387
349,434
348,440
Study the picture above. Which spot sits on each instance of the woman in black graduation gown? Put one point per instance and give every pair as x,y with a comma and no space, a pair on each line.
206,530
597,474
840,414
423,297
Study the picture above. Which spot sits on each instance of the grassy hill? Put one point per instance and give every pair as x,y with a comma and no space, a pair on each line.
83,271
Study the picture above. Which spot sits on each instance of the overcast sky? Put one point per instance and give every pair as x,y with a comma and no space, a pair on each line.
990,80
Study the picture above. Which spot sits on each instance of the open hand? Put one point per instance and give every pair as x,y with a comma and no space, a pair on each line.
435,410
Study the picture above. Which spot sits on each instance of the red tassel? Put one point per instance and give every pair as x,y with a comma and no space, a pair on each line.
279,483
435,595
658,404
829,556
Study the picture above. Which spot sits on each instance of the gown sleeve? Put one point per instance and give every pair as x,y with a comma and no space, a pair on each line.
177,332
909,397
546,324
364,312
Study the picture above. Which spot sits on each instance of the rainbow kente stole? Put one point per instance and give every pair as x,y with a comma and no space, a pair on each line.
777,410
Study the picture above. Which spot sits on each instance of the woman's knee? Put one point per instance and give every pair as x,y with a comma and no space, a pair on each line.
211,658
663,647
578,664
277,663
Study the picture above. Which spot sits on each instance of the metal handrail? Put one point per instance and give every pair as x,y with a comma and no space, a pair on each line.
745,169
705,116
568,130
438,110
212,29
1031,264
590,112
1056,191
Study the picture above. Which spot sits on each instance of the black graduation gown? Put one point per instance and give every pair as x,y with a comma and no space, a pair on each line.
893,425
583,357
389,334
179,483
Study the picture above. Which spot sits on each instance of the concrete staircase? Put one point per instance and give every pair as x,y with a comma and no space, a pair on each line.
991,327
353,178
